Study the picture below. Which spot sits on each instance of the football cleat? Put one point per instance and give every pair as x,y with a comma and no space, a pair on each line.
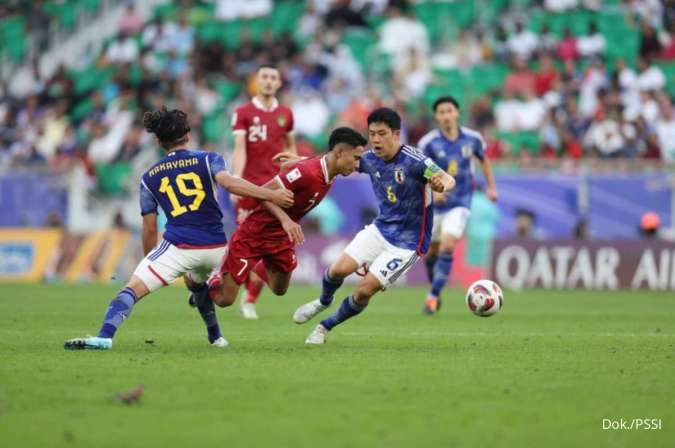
221,342
307,311
92,343
248,310
317,336
431,305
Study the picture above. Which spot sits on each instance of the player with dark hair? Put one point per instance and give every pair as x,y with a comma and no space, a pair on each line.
403,179
182,183
266,242
262,128
452,147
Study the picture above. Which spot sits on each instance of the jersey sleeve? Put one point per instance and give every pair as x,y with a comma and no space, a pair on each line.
364,164
216,164
295,177
479,148
148,202
239,121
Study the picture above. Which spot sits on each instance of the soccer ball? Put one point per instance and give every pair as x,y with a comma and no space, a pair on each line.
484,298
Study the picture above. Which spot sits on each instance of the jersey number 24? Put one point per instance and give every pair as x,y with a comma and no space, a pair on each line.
197,192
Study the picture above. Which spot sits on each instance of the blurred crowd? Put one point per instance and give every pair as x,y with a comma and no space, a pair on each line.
564,92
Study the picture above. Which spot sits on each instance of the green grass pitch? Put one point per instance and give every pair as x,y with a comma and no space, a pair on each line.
544,371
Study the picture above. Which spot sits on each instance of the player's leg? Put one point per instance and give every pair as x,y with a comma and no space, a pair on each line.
387,267
253,286
452,228
432,253
363,249
235,268
160,267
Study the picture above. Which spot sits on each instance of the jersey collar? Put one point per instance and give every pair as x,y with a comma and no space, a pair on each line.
445,137
259,105
324,168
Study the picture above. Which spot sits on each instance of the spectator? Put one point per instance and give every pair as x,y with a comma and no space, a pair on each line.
546,77
592,44
525,224
522,43
567,47
122,50
400,33
548,42
650,77
342,14
130,22
521,79
665,130
650,46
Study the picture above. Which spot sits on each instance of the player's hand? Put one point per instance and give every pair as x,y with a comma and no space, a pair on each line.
294,231
491,194
442,182
440,198
283,198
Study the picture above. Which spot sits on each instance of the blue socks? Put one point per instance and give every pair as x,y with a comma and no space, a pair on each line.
348,309
429,263
207,310
118,310
328,288
441,273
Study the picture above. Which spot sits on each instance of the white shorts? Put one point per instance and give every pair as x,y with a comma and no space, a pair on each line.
384,260
166,262
452,222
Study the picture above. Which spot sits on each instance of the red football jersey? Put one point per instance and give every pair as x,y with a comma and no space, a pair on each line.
308,180
265,131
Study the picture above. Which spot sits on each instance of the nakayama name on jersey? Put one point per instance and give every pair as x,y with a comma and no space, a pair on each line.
172,165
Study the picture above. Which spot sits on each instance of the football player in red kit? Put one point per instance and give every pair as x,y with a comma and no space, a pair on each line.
265,243
261,129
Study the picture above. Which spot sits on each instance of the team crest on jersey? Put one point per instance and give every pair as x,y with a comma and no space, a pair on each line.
399,176
293,175
466,151
281,120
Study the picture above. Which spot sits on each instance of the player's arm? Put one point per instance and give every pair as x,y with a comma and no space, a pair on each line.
439,180
149,207
292,228
149,233
486,167
241,187
239,154
289,143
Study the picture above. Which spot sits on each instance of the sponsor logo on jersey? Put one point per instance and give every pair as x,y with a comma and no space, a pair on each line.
377,174
399,176
466,151
293,175
281,120
384,273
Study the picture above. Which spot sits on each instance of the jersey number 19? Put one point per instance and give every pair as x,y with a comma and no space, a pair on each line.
197,191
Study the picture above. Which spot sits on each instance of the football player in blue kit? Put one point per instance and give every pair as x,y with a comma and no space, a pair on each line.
453,148
403,180
194,242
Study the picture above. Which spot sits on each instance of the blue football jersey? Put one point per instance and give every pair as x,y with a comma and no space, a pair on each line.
405,217
455,157
183,185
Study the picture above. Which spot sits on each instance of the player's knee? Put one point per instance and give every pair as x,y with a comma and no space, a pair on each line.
447,246
279,290
222,299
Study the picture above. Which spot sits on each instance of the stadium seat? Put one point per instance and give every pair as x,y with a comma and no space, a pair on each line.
65,13
359,42
13,37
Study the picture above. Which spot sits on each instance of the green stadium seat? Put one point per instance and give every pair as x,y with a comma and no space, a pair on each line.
81,110
360,43
13,37
64,13
214,127
519,141
227,90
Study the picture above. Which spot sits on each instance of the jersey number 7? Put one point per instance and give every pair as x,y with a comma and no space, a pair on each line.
198,192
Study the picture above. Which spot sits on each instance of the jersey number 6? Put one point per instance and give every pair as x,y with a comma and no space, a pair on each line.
198,192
